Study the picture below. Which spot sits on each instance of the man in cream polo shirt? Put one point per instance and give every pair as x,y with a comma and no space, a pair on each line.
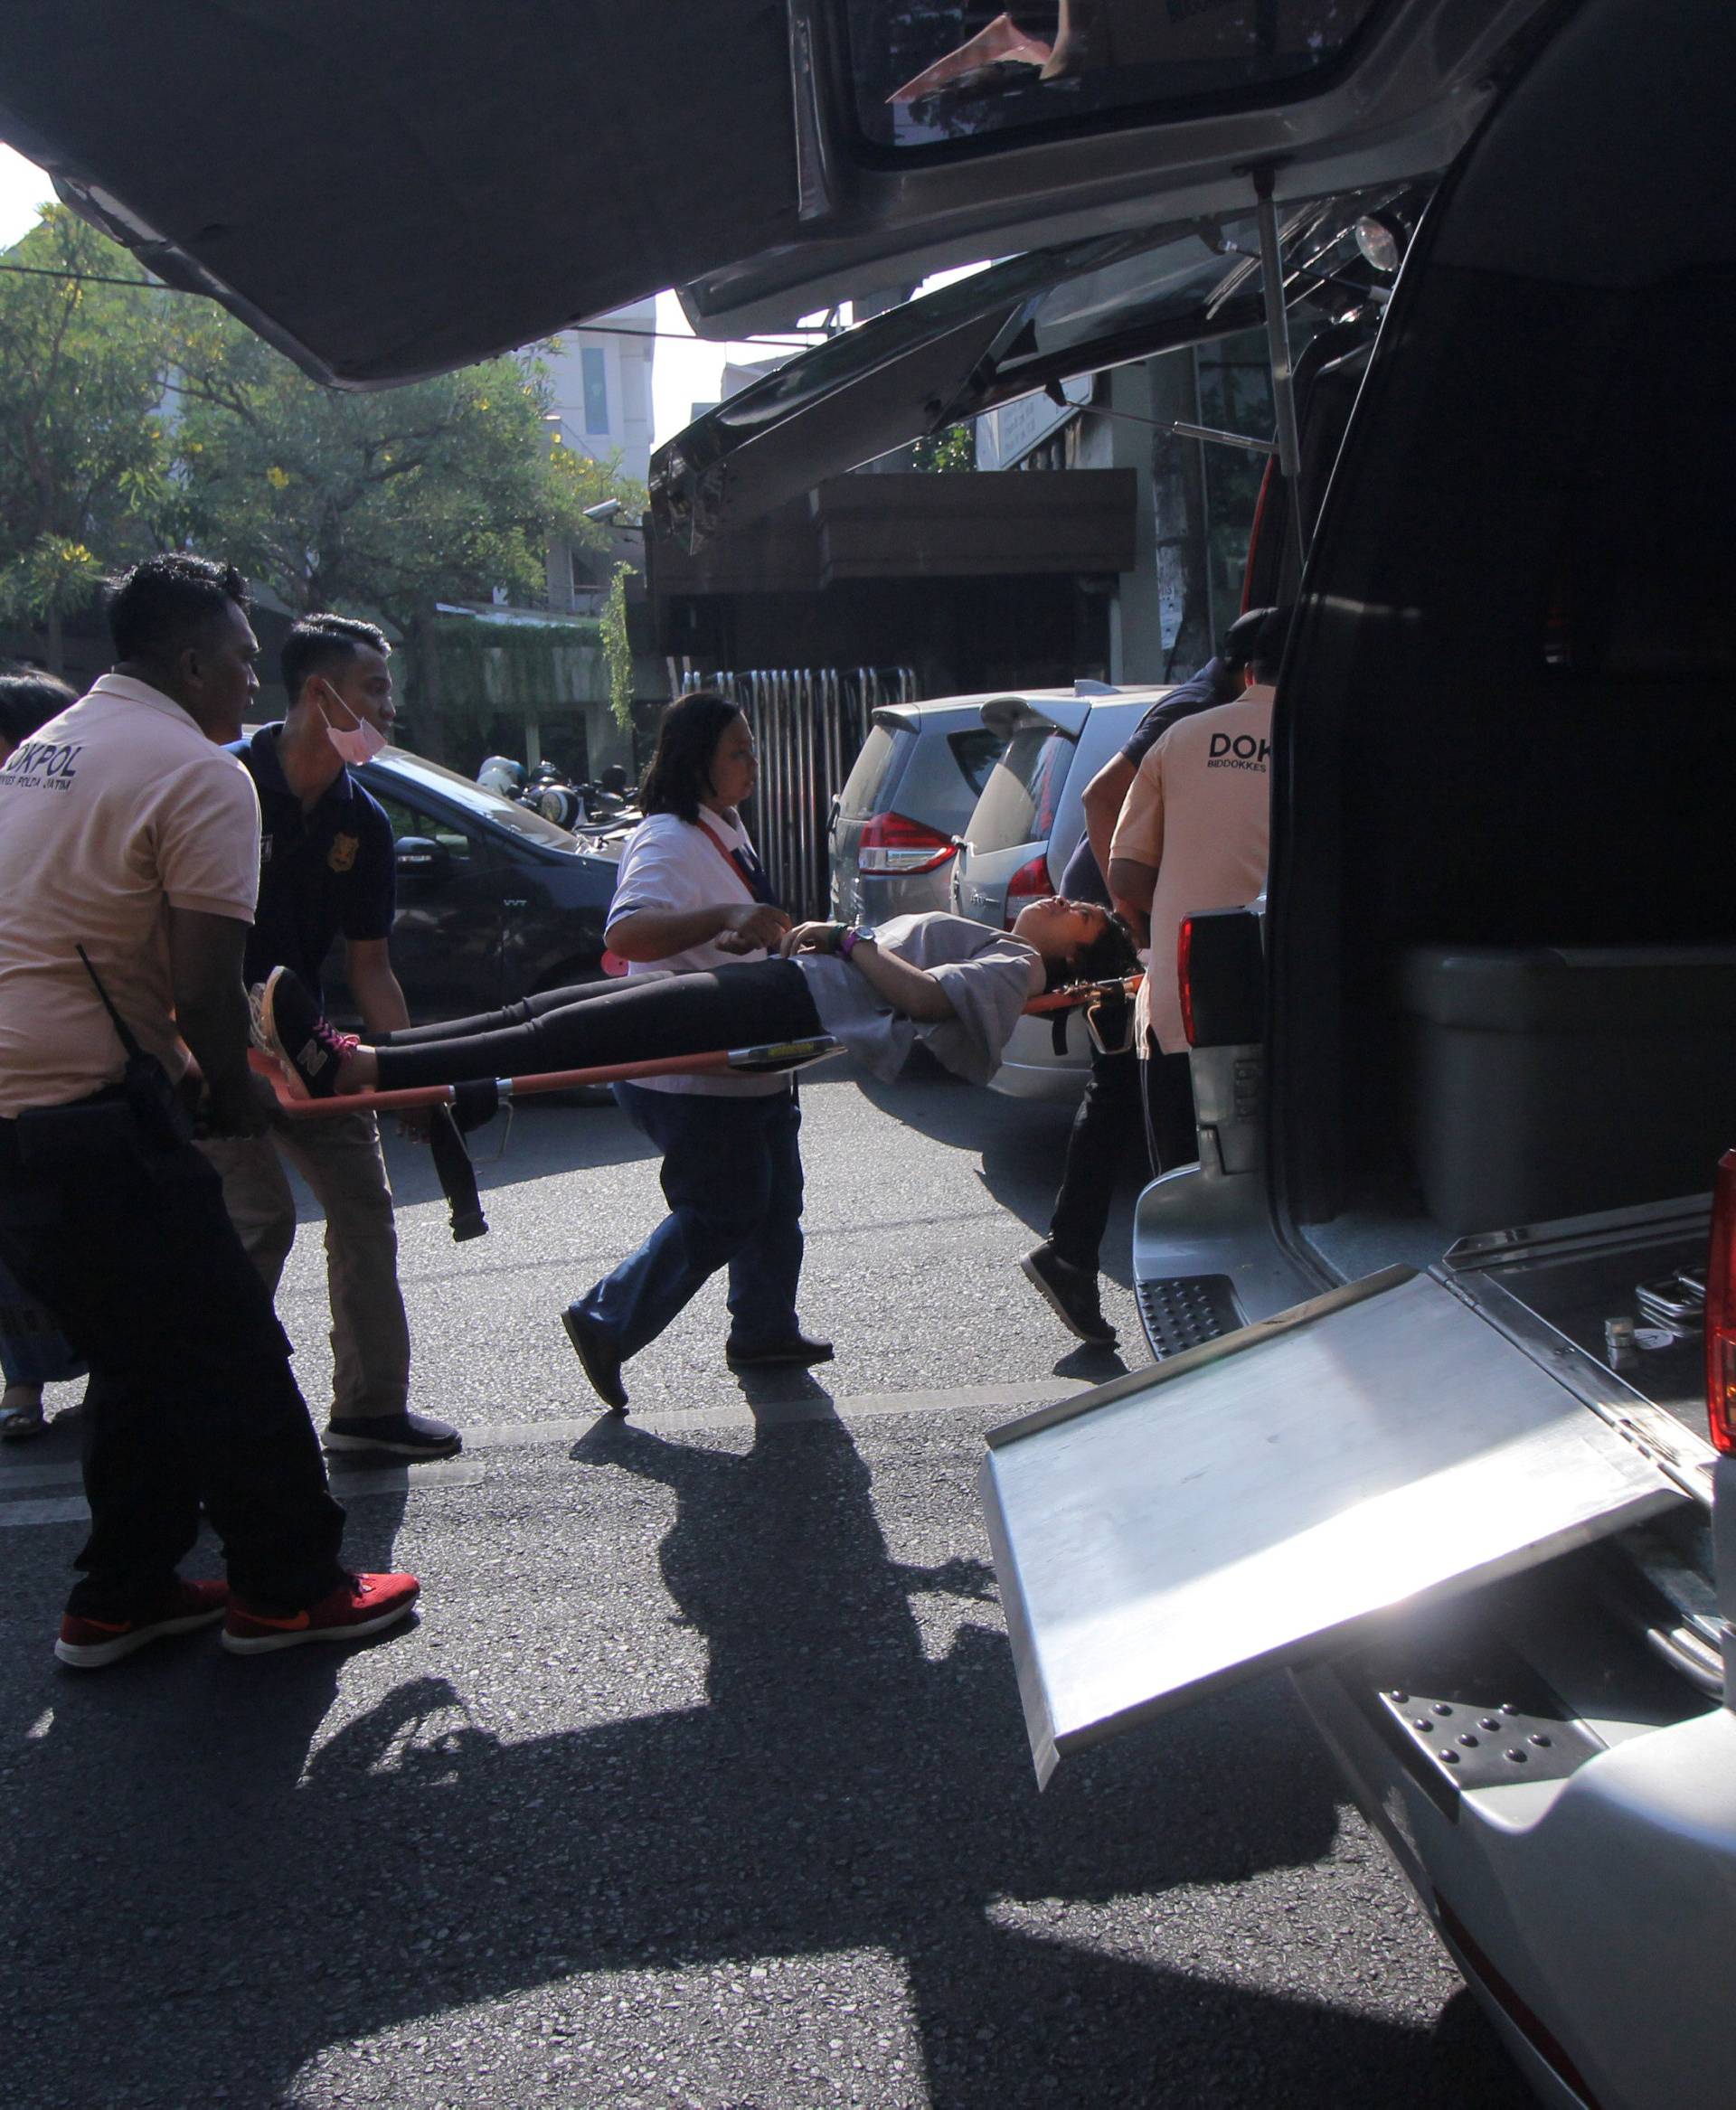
126,832
1193,836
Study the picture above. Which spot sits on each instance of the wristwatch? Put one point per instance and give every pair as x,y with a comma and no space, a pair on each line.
851,939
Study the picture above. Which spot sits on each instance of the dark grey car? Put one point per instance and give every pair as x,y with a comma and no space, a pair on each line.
494,901
909,793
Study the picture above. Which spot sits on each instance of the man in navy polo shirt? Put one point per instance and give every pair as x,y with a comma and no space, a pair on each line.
326,872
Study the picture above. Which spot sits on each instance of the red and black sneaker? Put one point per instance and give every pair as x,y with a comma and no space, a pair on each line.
289,1024
361,1604
88,1645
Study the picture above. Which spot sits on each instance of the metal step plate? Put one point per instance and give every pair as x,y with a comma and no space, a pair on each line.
1474,1714
1182,1311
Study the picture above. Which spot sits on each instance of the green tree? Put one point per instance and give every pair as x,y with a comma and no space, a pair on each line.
947,451
381,503
83,448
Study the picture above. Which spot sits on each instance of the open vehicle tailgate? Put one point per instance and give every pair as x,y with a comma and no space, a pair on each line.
1254,1498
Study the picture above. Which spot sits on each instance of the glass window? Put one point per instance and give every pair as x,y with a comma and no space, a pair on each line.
430,827
1024,789
931,72
882,759
596,379
399,770
976,753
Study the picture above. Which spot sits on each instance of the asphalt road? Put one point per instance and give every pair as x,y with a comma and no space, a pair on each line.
702,1780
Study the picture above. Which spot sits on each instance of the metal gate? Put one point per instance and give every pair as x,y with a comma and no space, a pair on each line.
810,723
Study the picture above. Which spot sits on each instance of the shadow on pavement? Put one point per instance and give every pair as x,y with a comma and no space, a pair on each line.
1022,1160
546,1135
838,1790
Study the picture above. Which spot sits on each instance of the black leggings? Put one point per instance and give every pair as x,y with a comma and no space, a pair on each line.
606,1022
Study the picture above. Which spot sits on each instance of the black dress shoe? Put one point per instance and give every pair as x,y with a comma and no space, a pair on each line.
1070,1293
600,1356
393,1435
798,1349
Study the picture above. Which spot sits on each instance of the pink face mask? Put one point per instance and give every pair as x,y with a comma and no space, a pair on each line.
361,744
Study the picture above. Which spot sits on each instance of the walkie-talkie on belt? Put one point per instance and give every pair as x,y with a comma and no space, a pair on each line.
162,1115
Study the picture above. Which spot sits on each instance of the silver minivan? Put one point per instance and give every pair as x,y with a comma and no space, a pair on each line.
909,793
1021,831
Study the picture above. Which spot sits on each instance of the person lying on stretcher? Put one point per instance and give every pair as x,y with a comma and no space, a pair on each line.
958,986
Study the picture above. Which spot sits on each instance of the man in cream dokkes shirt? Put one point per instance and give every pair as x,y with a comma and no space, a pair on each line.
1193,836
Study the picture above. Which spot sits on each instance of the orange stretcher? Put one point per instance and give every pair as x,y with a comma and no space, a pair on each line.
751,1061
455,1109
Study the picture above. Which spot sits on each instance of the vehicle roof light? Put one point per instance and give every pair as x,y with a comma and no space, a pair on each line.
1378,242
1721,1309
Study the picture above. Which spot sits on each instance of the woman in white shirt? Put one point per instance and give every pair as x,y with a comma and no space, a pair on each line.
692,895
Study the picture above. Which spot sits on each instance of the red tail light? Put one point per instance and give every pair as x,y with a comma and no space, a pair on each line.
1030,883
1721,1309
1183,981
891,843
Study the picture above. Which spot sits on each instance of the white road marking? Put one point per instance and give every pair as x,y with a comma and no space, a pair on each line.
352,1485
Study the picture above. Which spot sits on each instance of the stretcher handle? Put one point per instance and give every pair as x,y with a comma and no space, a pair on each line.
1082,993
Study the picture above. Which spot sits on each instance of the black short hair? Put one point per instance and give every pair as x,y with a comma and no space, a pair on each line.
680,775
1269,640
322,641
28,701
1106,958
1240,638
161,604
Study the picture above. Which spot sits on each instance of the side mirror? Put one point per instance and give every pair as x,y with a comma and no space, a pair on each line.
421,857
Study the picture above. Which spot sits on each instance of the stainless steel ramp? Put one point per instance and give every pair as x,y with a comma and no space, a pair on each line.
1182,1527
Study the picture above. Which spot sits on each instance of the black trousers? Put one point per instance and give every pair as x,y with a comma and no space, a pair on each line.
1171,1127
190,1402
1109,1130
601,1022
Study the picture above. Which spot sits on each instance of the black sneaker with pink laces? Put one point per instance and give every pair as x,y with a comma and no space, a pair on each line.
289,1024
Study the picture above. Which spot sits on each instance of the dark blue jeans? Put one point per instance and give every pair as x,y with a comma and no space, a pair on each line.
732,1177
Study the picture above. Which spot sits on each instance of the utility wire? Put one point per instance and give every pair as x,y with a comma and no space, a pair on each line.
86,278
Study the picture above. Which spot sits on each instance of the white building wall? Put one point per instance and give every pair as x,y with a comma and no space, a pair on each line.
602,387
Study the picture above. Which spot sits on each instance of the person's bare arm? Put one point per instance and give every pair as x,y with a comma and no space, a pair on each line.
648,934
1103,798
206,955
1131,887
379,996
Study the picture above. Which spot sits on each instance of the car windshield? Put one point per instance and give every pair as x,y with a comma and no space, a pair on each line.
413,769
935,73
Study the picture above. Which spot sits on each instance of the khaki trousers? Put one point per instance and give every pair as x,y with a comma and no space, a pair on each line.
341,1160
